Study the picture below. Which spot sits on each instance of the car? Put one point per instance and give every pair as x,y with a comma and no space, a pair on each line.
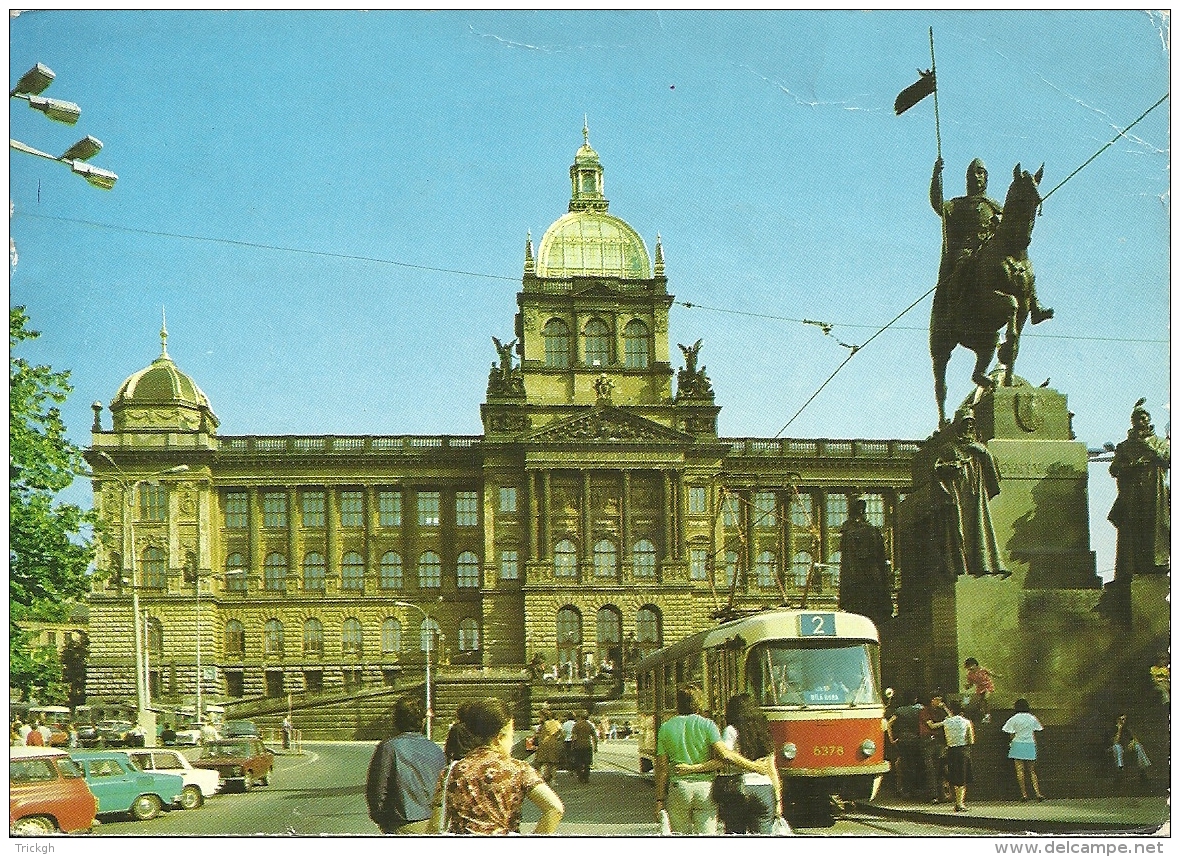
47,793
239,729
88,735
119,733
195,735
119,786
243,761
59,734
199,783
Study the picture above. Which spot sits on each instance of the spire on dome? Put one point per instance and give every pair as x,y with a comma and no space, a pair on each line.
659,265
586,177
163,333
529,265
586,130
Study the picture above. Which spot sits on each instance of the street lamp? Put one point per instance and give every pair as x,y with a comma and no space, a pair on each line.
129,486
430,623
75,157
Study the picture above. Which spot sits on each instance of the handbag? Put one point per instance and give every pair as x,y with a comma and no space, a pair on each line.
781,827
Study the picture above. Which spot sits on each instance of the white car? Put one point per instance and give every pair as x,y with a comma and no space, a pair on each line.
196,735
198,783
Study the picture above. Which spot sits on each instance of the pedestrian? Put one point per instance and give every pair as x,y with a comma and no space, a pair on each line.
483,792
73,736
583,743
686,739
1161,677
34,738
979,678
403,772
168,735
932,745
567,734
287,733
550,743
1023,726
14,737
959,733
1124,745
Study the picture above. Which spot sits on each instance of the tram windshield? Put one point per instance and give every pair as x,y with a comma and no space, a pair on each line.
836,673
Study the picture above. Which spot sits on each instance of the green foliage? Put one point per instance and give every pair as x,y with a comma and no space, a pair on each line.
35,672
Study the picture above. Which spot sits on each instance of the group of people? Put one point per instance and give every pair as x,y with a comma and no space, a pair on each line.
571,742
35,734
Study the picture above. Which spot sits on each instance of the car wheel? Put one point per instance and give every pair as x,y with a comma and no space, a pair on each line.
247,782
191,798
145,807
32,826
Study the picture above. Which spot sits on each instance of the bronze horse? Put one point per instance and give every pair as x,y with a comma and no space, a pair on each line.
994,289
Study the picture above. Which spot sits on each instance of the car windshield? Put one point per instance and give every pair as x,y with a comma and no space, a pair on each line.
835,673
233,748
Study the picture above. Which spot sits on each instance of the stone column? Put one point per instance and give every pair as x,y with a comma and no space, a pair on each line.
530,522
293,564
587,561
625,520
669,519
254,522
546,511
331,525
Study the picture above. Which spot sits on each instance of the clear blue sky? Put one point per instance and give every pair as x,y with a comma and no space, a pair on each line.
761,146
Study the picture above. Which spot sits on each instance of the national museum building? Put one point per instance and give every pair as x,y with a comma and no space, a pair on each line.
598,516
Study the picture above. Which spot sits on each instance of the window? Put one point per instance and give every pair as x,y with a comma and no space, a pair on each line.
802,511
606,560
391,636
766,570
557,343
274,572
274,509
352,571
313,509
428,634
466,509
636,350
569,636
698,564
731,567
391,571
597,343
313,681
155,569
801,568
389,508
429,571
730,511
467,570
836,510
350,637
468,635
508,498
874,509
509,565
313,638
608,630
153,502
352,509
643,558
764,511
235,573
565,559
237,506
428,508
155,640
698,500
647,630
272,638
313,571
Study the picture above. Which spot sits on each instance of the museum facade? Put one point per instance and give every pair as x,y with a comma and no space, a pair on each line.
598,516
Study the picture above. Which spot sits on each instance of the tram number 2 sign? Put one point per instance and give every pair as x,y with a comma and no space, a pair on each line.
817,625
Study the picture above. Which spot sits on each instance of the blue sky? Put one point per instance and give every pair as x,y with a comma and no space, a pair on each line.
761,146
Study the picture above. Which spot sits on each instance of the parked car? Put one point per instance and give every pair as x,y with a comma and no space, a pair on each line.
119,786
199,783
88,735
239,729
47,793
194,735
238,760
119,733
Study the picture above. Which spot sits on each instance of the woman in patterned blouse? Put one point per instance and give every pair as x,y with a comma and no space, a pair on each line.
487,787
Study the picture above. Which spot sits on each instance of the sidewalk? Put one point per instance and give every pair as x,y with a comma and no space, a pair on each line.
1065,815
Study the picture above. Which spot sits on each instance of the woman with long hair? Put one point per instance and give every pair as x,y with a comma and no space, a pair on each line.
484,790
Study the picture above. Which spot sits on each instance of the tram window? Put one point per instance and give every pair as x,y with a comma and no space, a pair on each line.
669,688
840,674
691,671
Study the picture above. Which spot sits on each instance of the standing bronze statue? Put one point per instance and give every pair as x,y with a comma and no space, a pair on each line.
1142,509
865,582
966,478
985,279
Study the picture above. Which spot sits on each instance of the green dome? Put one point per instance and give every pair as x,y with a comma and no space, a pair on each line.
593,243
160,383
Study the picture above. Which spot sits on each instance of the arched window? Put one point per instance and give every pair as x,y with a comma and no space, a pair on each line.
391,636
565,559
731,567
391,571
154,569
272,638
643,558
608,629
557,343
429,571
155,641
313,571
274,572
597,343
467,570
428,637
648,630
636,347
235,573
766,570
313,638
800,568
350,637
235,639
606,559
468,635
352,571
569,637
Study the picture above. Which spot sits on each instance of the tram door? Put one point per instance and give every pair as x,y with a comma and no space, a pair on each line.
724,665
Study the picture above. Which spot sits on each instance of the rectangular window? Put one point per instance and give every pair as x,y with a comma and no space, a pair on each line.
803,511
508,499
274,509
836,508
389,508
236,510
698,500
466,509
352,509
730,511
765,516
313,509
509,565
153,502
698,564
874,509
428,505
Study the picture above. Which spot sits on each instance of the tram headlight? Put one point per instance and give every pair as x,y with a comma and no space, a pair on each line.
790,751
868,747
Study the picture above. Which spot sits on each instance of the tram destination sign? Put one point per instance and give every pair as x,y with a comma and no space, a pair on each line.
817,624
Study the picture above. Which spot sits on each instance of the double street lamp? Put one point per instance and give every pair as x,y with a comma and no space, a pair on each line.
430,626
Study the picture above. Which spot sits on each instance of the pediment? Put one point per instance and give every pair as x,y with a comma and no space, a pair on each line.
605,424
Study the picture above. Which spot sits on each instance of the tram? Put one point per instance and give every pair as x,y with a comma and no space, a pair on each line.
815,674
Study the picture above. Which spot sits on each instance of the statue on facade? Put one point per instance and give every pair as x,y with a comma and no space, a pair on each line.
505,379
1141,512
603,388
985,278
965,479
691,382
865,581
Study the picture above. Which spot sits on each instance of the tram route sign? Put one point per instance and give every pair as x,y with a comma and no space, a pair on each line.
817,624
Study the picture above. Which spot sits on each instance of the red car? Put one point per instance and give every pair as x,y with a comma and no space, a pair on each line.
244,761
47,793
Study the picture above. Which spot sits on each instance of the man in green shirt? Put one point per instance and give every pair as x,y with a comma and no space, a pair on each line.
687,738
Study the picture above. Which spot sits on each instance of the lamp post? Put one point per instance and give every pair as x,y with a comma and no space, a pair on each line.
430,623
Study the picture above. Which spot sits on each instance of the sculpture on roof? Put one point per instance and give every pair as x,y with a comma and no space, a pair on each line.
691,382
504,379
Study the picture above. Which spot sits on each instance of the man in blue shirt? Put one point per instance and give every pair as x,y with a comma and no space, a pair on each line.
403,774
688,738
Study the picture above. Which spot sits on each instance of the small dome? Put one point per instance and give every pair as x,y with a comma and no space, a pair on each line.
160,383
592,243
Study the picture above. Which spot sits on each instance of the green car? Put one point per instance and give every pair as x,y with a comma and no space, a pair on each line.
119,786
